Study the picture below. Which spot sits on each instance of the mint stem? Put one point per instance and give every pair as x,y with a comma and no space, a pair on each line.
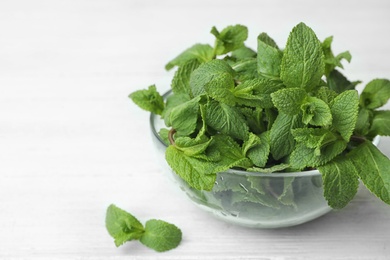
171,132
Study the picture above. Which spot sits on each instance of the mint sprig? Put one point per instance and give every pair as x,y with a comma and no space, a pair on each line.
268,110
156,234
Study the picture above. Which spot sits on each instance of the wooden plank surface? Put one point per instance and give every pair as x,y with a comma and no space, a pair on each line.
72,143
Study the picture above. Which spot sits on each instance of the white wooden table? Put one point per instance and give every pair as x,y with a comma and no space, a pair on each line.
71,142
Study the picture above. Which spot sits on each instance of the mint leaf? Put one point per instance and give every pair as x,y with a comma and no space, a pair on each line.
303,62
314,137
254,118
332,61
380,123
264,37
198,173
122,226
274,168
246,69
326,94
208,71
303,156
229,39
160,235
269,57
181,80
230,152
345,109
226,119
183,118
340,182
243,53
375,94
364,121
200,52
289,101
338,83
316,112
192,147
256,92
373,169
282,141
148,99
259,151
220,88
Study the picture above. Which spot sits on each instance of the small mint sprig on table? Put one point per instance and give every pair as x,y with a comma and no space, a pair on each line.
272,110
156,234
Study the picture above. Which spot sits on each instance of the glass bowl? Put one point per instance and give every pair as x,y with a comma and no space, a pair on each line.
251,199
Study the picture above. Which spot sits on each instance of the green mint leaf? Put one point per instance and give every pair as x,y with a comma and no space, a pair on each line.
226,119
314,137
246,69
282,141
252,141
373,169
200,52
198,173
269,57
375,94
303,62
181,80
163,133
274,168
230,152
364,121
253,117
380,123
243,53
149,100
338,83
326,94
316,112
190,146
289,101
345,108
259,151
256,92
220,88
340,182
303,156
207,72
160,235
264,37
229,39
122,226
184,117
332,61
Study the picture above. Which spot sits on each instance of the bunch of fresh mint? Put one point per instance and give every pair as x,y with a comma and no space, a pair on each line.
272,110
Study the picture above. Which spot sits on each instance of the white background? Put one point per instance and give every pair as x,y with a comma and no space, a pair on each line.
71,142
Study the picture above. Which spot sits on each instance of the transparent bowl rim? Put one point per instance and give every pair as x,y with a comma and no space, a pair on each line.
242,172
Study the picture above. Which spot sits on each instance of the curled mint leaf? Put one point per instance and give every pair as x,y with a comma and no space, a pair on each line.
375,94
